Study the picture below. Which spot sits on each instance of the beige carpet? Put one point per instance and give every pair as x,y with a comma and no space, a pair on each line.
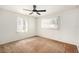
37,44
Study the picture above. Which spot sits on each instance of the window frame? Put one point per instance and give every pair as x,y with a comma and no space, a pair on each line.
24,28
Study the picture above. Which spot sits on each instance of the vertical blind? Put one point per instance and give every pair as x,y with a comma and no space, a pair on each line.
49,23
22,24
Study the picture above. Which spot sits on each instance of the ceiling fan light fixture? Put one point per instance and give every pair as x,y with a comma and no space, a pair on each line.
35,10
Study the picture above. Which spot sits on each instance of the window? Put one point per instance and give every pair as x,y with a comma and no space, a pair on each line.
22,25
49,23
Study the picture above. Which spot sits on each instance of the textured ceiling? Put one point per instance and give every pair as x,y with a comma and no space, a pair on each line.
50,9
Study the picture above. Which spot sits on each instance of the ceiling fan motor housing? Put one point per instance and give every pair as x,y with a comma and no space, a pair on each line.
34,10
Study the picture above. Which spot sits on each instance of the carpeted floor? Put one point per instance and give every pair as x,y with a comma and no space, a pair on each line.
37,44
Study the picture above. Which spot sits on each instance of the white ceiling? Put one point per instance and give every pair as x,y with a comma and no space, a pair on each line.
50,9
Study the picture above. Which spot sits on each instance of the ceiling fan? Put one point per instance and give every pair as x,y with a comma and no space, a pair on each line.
35,10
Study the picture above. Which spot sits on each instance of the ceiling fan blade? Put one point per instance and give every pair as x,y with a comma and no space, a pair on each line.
41,10
27,10
38,13
30,13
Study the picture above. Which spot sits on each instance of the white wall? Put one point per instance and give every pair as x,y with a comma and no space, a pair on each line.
68,30
77,29
8,26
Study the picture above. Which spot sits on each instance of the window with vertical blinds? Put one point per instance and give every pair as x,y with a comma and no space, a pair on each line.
49,23
22,24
